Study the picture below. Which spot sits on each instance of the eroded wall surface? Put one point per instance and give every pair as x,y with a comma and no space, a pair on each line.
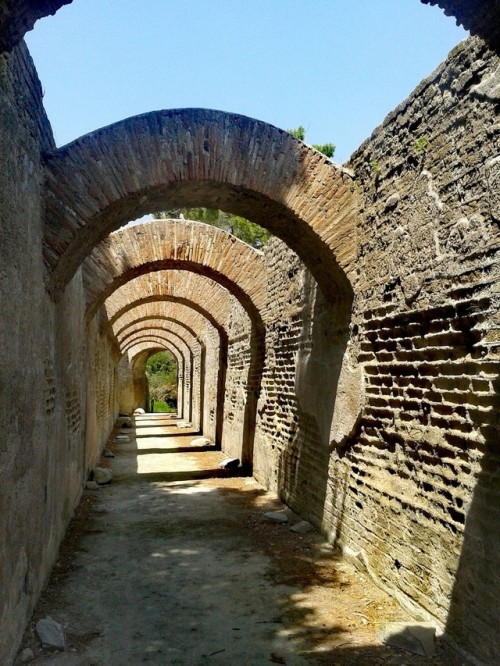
386,438
42,406
413,495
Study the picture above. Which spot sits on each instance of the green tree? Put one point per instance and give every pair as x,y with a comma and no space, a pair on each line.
327,149
247,231
161,371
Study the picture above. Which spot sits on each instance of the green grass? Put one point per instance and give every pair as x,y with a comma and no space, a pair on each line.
163,407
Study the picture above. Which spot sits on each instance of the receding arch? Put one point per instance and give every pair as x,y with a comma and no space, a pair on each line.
131,370
190,289
186,312
192,157
185,352
194,349
174,244
107,261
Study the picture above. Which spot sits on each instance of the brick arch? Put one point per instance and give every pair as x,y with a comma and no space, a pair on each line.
137,361
145,317
180,329
183,349
193,157
200,323
177,325
188,247
172,286
175,244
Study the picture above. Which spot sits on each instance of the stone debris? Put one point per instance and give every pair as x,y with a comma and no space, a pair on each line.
139,410
230,463
122,438
303,527
50,633
277,516
65,659
102,475
92,485
200,441
415,637
24,657
107,453
184,424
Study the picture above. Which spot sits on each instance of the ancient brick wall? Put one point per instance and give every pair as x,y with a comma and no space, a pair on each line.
411,495
42,364
427,308
238,365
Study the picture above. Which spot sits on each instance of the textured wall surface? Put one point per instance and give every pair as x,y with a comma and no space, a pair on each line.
427,307
414,494
371,404
42,364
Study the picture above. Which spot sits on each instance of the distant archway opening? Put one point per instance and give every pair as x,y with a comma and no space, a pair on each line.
161,373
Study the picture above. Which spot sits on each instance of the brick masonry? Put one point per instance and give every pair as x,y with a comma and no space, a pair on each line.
360,371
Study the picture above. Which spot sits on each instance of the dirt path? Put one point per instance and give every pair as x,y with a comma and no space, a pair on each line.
164,566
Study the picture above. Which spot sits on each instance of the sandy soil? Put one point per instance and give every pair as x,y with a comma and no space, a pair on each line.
169,565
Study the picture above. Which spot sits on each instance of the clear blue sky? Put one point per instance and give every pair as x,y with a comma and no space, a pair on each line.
335,66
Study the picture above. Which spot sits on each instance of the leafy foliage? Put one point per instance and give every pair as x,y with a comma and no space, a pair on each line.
327,149
247,231
161,371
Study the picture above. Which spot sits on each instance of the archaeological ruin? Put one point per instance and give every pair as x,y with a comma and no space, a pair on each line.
351,364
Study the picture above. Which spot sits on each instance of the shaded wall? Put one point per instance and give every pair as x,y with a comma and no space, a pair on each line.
238,366
42,365
411,492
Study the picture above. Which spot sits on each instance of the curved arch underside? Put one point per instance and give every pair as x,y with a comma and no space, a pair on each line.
199,157
169,245
200,293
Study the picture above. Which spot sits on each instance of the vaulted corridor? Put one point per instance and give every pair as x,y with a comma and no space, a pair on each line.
349,365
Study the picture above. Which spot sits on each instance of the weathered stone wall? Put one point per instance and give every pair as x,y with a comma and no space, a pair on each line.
427,315
238,366
102,392
42,401
414,495
211,374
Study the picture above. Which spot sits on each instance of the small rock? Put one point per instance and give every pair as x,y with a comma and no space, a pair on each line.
230,463
277,516
302,528
415,637
184,424
139,410
50,634
122,438
24,657
107,453
102,475
92,485
200,441
392,201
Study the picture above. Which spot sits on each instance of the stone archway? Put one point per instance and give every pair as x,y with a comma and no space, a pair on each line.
184,246
193,157
130,312
132,375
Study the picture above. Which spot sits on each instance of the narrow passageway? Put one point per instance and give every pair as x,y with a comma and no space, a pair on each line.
170,564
